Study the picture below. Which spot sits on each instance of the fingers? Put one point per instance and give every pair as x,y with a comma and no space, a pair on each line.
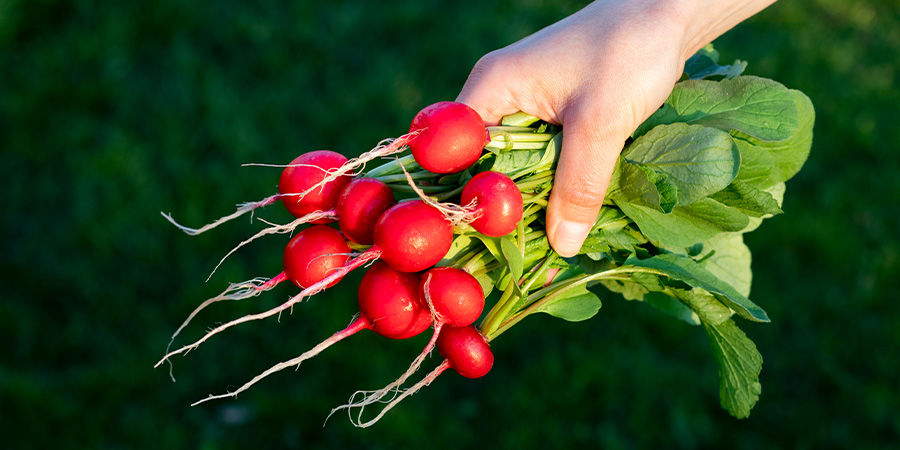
585,166
487,90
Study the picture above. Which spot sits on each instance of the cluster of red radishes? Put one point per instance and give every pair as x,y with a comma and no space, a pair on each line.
402,294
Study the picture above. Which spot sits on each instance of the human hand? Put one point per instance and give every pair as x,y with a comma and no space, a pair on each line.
599,73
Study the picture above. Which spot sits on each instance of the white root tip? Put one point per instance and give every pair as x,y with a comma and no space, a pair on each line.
396,398
242,209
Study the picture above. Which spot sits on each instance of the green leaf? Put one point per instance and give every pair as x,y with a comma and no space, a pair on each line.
518,163
772,162
753,106
486,282
684,269
747,199
705,64
574,304
730,260
687,161
739,366
685,225
462,244
777,192
672,307
709,309
513,257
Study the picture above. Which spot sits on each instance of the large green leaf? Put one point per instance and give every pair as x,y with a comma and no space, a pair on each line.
726,257
753,106
739,366
770,162
687,162
685,269
686,225
748,199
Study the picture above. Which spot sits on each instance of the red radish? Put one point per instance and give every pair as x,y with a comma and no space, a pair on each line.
498,203
455,299
452,136
454,294
314,260
299,187
360,205
313,254
464,349
306,186
389,305
412,236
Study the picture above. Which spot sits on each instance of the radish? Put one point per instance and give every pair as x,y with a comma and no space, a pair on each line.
412,236
305,187
498,203
464,349
452,136
299,185
360,205
455,299
313,254
389,305
311,260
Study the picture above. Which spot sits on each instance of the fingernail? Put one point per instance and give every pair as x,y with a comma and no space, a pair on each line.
569,236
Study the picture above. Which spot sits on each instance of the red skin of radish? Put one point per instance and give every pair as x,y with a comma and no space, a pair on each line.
457,297
360,205
499,203
466,350
451,139
295,180
313,254
389,300
413,236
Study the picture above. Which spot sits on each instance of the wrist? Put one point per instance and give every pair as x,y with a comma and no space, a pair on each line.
702,21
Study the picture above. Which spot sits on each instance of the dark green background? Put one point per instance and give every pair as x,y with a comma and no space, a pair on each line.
111,112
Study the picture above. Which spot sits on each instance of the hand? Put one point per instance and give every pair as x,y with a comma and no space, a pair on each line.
599,73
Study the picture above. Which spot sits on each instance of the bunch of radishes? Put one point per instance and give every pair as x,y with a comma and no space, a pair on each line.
403,293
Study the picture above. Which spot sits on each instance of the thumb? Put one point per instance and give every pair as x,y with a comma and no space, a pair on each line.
585,166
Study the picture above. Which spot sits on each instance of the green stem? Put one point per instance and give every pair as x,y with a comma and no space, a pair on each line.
401,178
548,293
392,167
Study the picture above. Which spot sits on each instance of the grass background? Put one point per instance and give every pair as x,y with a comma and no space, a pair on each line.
113,111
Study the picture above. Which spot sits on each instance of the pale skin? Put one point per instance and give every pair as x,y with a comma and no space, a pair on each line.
599,73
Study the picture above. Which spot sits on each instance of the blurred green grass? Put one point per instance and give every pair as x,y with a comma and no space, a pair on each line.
113,111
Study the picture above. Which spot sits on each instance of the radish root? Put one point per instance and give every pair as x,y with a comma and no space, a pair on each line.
338,274
398,397
235,291
277,229
353,328
454,213
242,209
